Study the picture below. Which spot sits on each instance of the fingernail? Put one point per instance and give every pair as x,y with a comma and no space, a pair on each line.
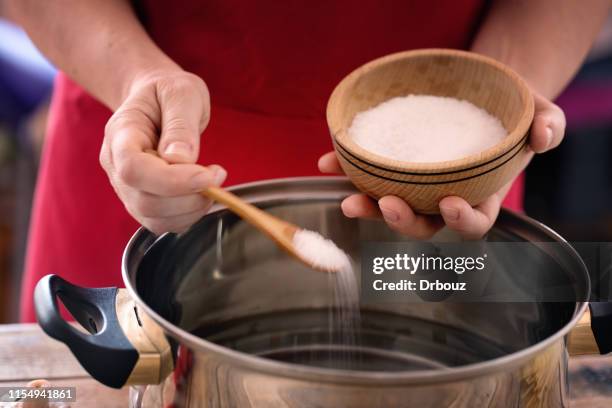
200,181
549,136
450,213
219,175
389,215
179,149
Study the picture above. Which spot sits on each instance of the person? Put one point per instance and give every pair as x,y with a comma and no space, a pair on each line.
234,91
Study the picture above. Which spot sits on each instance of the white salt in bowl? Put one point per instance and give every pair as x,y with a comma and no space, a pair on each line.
482,81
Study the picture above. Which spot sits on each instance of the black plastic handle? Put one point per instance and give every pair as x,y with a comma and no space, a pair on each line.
105,352
601,325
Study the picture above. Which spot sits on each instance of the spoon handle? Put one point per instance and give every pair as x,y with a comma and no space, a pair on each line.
276,228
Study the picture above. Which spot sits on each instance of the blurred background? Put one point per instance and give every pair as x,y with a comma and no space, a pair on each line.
569,189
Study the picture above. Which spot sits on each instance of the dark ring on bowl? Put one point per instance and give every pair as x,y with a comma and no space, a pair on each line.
425,174
409,173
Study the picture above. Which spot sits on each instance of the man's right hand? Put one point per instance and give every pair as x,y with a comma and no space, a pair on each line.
167,112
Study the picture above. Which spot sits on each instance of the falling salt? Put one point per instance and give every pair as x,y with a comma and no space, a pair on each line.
425,128
345,317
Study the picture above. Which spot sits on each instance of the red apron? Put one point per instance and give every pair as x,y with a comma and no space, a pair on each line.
270,67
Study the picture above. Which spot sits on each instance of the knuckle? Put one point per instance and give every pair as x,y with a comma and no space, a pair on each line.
166,86
189,81
187,86
139,113
123,117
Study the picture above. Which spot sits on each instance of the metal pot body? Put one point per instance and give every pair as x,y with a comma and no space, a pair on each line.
213,382
225,319
241,292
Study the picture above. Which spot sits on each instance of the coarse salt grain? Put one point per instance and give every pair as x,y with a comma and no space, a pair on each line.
320,251
425,128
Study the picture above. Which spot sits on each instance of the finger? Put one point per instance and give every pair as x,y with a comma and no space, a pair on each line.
328,163
401,218
548,125
176,224
184,114
149,173
134,119
360,206
143,204
36,403
470,222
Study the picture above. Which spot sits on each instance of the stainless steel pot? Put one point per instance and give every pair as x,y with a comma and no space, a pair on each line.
219,317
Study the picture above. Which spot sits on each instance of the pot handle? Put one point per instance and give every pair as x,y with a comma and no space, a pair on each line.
119,347
593,332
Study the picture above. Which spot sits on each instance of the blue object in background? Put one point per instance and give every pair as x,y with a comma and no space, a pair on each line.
26,77
26,82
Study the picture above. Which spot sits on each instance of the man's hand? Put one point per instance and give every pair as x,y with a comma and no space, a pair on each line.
167,112
471,222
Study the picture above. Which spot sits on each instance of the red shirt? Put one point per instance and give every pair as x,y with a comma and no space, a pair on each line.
270,67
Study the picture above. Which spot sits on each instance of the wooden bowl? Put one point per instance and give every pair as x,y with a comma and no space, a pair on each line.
482,81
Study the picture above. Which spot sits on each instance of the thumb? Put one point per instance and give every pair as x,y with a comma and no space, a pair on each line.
183,118
548,125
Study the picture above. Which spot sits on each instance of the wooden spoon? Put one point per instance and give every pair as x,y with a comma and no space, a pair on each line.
280,231
277,230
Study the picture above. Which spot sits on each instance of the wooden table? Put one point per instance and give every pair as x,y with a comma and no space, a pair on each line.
26,353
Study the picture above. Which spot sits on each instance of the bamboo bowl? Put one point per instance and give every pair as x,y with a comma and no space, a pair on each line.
482,81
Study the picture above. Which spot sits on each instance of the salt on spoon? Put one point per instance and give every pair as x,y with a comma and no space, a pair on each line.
307,246
319,251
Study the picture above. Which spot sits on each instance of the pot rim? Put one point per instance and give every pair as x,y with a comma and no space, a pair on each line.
364,378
